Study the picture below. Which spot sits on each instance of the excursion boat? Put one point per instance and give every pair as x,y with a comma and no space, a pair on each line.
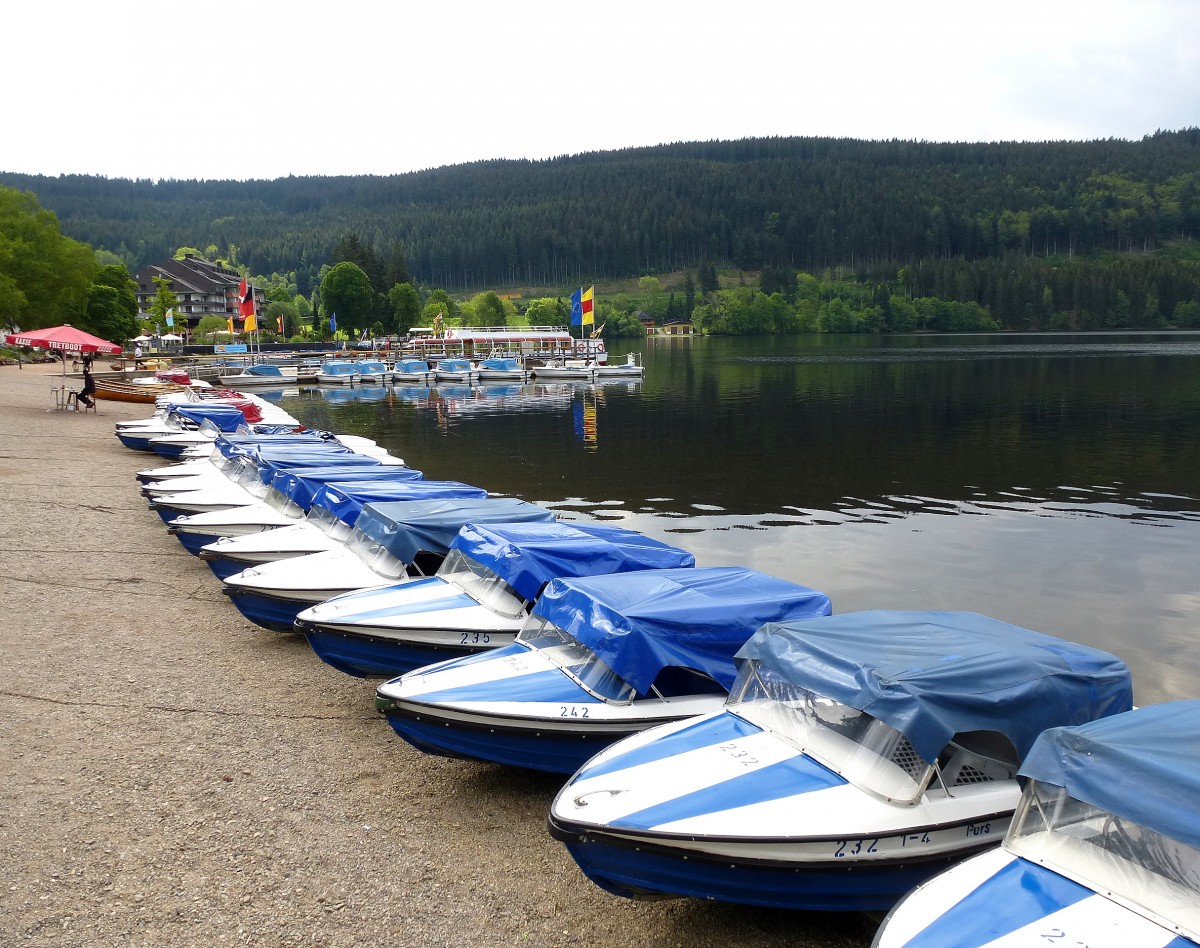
600,658
857,756
329,520
372,371
261,374
281,507
337,373
411,371
478,599
455,370
273,594
1104,848
501,370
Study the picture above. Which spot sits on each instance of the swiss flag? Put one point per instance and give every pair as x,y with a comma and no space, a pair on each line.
245,299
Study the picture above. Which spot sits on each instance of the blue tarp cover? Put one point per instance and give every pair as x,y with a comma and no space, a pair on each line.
347,500
300,486
408,527
370,365
412,365
503,365
1143,765
640,623
529,555
266,370
222,417
931,675
339,368
275,461
455,365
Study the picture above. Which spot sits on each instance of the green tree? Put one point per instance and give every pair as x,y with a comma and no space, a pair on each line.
163,300
485,309
347,292
112,305
406,306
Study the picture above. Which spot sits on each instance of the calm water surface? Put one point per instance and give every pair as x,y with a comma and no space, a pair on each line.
1052,481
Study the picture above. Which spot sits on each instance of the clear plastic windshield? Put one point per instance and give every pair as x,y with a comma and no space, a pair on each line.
249,478
870,754
482,585
1156,875
279,501
329,523
226,464
376,556
576,660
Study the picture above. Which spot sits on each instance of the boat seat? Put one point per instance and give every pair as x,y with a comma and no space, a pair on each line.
978,757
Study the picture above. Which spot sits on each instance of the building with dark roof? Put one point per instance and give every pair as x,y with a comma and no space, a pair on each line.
201,288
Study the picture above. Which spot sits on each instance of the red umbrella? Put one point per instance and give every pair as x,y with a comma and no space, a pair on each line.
65,338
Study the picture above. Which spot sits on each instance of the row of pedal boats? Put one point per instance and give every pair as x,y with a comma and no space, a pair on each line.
723,733
421,372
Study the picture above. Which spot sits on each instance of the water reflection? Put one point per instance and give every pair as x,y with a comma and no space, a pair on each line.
1048,481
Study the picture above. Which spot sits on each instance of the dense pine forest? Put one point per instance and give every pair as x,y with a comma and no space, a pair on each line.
1040,235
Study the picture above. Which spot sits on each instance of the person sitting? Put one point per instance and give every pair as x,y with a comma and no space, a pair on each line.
87,394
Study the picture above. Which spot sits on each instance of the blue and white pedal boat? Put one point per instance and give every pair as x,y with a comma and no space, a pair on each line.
1104,848
181,419
277,510
501,370
329,524
411,371
337,373
455,370
372,371
600,658
857,756
479,598
273,594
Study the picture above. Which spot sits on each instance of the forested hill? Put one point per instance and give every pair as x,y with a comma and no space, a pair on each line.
809,203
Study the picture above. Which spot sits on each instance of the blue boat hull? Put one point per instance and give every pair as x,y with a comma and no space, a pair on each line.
138,442
278,615
368,657
643,870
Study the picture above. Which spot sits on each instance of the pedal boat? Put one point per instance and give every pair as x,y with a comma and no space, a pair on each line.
330,521
600,658
1104,848
411,371
455,370
857,756
478,599
380,551
501,370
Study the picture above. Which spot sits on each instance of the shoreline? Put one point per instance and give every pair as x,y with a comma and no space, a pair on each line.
174,775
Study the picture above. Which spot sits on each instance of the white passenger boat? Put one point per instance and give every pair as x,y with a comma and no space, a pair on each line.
262,375
479,598
601,657
1104,848
858,755
581,370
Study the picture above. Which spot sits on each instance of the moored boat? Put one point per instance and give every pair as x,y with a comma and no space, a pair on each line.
411,371
857,756
455,370
261,375
601,657
1104,848
337,373
501,370
478,599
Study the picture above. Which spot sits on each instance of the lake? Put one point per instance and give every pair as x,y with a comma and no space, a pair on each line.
1052,481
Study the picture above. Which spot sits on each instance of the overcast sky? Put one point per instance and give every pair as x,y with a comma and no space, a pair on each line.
267,88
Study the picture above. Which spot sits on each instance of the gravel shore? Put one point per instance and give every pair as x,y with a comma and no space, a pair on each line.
171,774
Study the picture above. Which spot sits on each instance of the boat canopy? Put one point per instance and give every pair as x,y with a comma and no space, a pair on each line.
931,675
339,368
455,365
1143,766
529,555
371,365
405,528
640,623
234,443
347,501
270,371
412,365
300,486
501,365
272,464
223,417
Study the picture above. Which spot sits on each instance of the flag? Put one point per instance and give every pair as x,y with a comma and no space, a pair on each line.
333,322
251,323
229,323
577,308
589,318
279,322
170,318
245,300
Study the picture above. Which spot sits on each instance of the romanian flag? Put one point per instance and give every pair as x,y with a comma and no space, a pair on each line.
589,317
577,307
